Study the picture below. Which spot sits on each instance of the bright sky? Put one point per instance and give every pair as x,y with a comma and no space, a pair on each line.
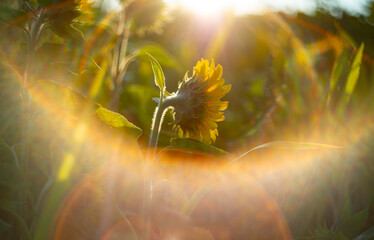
240,7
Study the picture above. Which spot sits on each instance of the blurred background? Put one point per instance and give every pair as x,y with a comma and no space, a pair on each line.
301,71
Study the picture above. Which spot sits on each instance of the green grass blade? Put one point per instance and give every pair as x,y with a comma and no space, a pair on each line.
288,145
337,72
98,80
191,204
353,74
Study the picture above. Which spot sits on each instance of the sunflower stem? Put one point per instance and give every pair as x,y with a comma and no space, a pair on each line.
148,181
158,117
149,162
155,130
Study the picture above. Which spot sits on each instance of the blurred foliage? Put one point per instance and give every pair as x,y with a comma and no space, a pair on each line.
300,77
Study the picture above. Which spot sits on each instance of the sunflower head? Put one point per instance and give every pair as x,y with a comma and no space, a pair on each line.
61,14
147,15
200,107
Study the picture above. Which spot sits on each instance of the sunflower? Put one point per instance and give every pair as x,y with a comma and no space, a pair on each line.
200,107
61,15
147,16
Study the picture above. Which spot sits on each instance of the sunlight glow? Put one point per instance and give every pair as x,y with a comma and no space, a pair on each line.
66,167
209,8
202,8
80,133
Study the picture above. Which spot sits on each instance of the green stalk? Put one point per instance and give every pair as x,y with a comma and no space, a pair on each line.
32,43
155,130
148,169
122,47
149,163
158,117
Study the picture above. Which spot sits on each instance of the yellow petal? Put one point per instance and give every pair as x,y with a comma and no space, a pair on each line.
217,74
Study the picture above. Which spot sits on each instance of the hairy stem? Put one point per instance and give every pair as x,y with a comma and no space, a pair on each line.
148,181
157,121
149,163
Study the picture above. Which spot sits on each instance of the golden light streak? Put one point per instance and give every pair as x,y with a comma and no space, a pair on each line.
66,167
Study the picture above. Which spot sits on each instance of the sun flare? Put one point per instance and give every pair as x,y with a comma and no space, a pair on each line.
203,8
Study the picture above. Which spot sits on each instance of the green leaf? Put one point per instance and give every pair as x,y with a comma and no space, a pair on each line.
345,36
337,70
354,73
194,145
117,120
99,79
51,204
288,145
12,16
159,74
